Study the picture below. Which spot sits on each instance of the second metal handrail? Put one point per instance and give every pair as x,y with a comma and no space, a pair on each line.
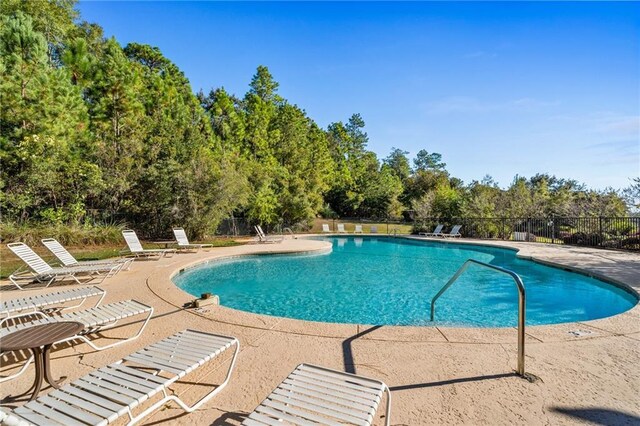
521,302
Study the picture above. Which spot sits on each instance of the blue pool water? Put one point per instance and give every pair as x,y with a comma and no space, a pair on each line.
388,281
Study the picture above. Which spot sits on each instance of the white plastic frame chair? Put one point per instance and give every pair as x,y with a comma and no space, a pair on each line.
96,319
41,271
454,233
263,238
103,396
341,229
358,229
67,259
325,228
318,395
183,241
136,249
33,305
436,232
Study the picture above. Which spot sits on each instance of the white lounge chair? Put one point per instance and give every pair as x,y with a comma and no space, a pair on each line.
41,271
35,303
96,319
325,228
455,232
373,229
136,249
263,238
318,395
436,232
183,241
103,396
67,259
358,229
341,229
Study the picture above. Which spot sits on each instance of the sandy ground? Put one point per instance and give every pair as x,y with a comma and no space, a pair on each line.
436,375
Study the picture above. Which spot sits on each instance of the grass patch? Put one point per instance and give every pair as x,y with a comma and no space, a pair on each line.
9,262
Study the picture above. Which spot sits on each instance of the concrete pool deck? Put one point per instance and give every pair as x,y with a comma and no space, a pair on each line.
589,372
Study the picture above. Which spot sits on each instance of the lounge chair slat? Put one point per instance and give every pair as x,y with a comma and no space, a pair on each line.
356,397
133,383
71,411
272,416
320,406
52,414
341,387
294,410
35,418
86,392
305,390
89,406
133,372
149,362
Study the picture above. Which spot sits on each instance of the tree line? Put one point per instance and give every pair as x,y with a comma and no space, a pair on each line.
90,129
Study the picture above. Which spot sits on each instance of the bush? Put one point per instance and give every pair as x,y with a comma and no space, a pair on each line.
583,239
73,235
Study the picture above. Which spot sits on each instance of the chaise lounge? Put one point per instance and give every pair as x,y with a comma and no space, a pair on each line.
41,271
318,395
136,249
114,391
183,241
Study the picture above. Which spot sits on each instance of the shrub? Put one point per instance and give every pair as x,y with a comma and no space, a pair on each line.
73,235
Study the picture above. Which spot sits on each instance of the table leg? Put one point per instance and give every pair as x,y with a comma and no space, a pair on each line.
47,369
37,355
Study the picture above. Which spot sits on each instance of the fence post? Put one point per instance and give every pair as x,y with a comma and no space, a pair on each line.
503,229
553,230
601,232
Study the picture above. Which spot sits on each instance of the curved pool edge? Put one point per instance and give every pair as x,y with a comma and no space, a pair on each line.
624,323
524,252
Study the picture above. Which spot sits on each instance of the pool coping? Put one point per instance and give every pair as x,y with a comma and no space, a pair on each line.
625,323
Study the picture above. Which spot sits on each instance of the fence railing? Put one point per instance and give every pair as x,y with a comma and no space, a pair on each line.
604,232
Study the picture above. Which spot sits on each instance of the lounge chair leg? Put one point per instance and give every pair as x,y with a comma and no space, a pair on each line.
387,420
13,376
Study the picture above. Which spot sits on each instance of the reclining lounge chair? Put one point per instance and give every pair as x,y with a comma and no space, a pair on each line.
318,395
41,271
136,249
455,232
263,238
105,395
183,241
436,232
67,259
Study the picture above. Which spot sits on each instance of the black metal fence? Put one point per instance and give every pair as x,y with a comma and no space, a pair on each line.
604,232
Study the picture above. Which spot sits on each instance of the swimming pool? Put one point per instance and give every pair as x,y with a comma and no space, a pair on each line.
390,281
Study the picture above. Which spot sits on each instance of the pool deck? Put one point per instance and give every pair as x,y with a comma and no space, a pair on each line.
588,372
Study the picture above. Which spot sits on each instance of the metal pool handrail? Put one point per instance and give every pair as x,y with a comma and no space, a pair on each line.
521,302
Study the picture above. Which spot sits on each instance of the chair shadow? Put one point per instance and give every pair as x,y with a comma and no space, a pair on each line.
599,416
452,381
347,351
230,419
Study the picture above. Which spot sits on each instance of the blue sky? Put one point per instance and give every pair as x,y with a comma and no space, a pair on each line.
499,88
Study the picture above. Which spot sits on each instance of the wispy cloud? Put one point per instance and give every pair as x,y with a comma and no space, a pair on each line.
465,104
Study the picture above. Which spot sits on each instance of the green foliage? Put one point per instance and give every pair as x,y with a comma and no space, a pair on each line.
73,235
88,128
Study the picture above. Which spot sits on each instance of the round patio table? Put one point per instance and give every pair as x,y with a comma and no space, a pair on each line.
39,339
